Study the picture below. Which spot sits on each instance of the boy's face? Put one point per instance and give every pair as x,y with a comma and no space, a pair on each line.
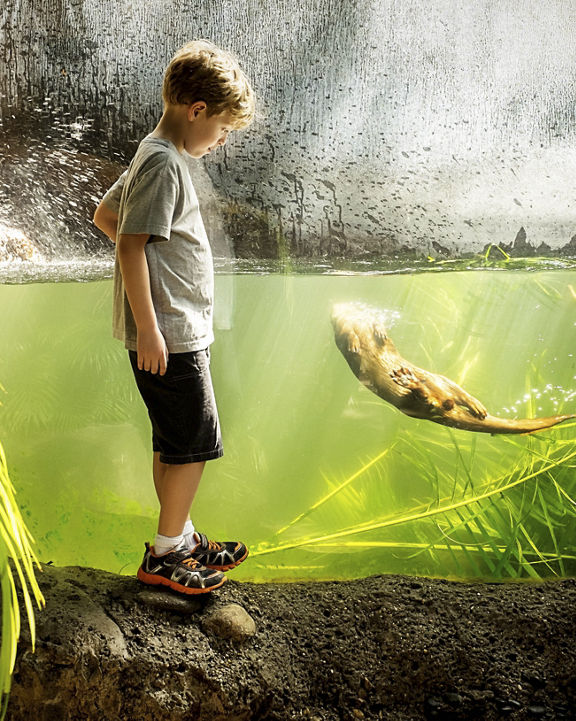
204,133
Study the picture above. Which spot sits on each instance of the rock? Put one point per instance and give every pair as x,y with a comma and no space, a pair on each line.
569,249
521,247
54,710
74,620
230,621
433,704
454,699
515,704
536,711
15,245
479,696
165,600
508,705
534,680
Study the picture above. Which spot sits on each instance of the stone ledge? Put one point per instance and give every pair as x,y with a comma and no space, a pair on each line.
386,647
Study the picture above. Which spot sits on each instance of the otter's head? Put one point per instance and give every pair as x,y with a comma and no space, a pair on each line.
358,327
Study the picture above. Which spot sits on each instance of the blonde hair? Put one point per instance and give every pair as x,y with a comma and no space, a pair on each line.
202,71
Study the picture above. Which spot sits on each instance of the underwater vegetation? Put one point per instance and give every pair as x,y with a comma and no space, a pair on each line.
516,524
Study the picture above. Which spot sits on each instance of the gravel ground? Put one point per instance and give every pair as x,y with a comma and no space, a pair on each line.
385,647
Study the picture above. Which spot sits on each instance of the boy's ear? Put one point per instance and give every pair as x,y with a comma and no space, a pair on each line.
195,109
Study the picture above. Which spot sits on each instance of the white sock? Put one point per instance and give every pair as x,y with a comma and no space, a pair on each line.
188,533
163,544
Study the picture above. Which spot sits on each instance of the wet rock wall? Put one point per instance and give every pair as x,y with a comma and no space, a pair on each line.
384,128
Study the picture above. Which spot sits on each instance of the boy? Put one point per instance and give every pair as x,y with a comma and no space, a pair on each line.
163,292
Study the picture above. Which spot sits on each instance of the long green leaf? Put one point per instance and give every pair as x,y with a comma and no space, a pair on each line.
15,545
363,528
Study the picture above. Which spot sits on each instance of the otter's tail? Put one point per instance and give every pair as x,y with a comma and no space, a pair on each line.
492,424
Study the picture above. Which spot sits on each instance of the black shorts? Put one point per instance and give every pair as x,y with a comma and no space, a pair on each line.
182,408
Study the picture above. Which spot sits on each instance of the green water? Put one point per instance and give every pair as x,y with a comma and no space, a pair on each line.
320,477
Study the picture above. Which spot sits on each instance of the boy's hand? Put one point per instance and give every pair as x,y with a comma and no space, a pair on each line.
152,351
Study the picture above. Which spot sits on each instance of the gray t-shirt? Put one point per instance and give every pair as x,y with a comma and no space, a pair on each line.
156,196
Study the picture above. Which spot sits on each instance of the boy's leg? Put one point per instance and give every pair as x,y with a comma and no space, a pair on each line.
176,491
176,486
185,425
165,541
158,469
174,499
171,564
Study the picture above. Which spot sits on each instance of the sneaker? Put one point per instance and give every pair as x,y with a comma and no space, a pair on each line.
221,556
178,570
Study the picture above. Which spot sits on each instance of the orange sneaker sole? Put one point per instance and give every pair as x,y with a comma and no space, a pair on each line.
152,580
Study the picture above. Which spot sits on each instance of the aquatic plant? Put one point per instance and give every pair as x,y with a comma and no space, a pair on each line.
513,524
16,554
496,258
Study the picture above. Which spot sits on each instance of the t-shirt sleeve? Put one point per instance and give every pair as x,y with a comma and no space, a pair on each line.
112,197
149,202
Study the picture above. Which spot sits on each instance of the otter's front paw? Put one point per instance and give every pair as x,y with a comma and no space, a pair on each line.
353,343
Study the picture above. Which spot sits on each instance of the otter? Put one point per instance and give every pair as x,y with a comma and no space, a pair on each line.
361,336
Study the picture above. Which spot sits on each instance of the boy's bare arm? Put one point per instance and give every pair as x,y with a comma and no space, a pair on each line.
151,346
106,220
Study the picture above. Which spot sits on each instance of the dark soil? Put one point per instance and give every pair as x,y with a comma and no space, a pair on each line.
385,647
